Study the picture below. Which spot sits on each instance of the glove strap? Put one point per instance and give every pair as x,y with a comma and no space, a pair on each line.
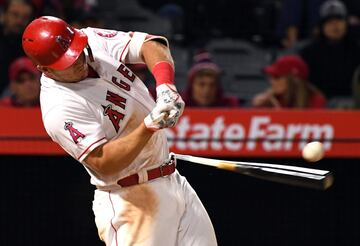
164,73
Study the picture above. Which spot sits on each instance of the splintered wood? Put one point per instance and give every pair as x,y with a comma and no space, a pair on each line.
226,166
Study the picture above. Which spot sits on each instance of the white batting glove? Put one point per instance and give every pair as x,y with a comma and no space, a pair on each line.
169,98
158,117
155,120
168,109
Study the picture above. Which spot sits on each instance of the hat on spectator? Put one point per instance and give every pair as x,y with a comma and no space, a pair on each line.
333,9
22,64
288,65
202,62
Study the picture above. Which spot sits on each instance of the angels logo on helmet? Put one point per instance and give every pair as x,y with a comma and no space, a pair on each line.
63,42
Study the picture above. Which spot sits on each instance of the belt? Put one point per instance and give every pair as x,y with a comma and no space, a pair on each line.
161,171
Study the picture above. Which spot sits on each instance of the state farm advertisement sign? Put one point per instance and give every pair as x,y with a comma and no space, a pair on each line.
256,133
214,132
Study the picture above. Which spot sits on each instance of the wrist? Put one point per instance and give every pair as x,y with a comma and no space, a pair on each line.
163,73
165,87
147,128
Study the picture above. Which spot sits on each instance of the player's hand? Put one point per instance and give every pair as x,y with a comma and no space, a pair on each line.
168,109
169,98
156,120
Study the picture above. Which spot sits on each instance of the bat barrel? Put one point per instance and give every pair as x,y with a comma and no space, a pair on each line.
319,182
291,175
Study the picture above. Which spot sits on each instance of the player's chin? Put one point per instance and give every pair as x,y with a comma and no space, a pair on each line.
85,74
82,74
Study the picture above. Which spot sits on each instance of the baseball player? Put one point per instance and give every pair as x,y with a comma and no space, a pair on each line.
102,114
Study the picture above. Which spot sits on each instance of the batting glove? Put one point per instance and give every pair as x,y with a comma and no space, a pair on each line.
169,98
156,120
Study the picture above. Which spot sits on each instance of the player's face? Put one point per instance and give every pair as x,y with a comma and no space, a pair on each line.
204,90
76,72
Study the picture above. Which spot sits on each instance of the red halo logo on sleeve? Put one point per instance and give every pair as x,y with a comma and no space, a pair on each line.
75,134
106,33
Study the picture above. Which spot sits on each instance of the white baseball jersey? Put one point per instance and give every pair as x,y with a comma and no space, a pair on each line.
83,115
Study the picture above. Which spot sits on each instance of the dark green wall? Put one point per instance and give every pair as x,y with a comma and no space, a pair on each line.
47,201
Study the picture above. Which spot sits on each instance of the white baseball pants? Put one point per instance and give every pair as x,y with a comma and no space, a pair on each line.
162,212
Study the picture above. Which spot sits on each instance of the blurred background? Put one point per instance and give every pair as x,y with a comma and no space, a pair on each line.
293,61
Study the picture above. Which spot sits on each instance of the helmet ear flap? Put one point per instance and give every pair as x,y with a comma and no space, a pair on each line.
91,56
51,42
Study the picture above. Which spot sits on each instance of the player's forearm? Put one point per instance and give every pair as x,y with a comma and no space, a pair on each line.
154,52
118,154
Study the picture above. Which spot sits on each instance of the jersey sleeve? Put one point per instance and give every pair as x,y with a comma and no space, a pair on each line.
131,54
75,129
126,46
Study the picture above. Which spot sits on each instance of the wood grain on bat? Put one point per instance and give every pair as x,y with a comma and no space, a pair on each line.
226,166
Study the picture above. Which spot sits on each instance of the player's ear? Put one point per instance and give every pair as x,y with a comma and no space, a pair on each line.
42,68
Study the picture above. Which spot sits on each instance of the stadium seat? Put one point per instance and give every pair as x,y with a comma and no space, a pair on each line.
242,63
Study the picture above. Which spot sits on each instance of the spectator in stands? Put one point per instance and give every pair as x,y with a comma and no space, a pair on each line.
66,9
289,86
204,85
354,13
17,14
86,19
131,15
24,85
175,15
297,20
334,55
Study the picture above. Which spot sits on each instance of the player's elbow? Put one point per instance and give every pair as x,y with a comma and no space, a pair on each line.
101,167
155,50
101,163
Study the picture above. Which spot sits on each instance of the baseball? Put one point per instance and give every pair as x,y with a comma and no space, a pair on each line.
313,151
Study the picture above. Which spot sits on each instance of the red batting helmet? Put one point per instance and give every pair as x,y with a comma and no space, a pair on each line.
51,42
